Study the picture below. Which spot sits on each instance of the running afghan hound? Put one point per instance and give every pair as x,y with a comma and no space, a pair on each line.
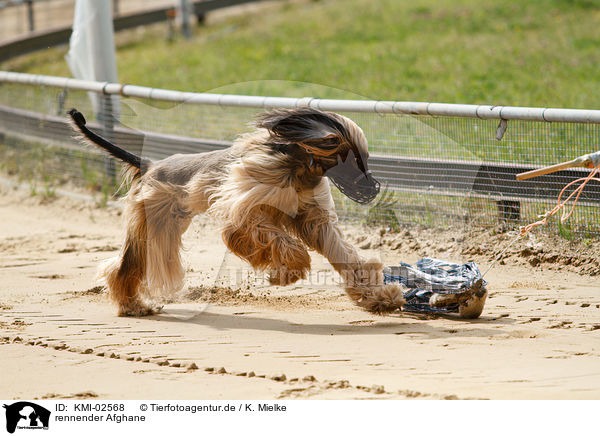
271,195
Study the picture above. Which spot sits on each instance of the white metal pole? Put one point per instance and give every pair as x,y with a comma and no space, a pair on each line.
184,7
585,116
91,53
92,56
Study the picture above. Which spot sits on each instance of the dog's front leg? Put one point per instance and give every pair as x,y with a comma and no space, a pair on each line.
264,244
363,279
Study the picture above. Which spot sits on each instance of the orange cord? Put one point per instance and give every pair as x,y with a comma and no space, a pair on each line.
566,214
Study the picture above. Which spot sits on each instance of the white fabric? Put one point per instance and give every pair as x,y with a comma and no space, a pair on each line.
91,53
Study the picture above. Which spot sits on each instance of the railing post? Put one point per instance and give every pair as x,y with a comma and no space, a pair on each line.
91,56
185,19
171,17
115,8
30,16
107,119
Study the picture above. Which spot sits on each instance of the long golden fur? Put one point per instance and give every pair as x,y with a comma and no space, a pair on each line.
272,198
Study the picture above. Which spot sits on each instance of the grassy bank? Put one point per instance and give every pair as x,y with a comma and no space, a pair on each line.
535,53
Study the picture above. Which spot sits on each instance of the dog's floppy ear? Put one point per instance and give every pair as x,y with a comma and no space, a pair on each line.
317,132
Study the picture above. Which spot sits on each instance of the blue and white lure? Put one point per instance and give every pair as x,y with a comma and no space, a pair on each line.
440,287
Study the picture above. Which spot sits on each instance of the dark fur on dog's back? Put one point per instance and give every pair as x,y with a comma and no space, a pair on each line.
119,153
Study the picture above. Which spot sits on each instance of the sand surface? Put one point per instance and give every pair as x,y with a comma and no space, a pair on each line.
538,338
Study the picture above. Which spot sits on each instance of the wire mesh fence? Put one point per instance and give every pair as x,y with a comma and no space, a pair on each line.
435,170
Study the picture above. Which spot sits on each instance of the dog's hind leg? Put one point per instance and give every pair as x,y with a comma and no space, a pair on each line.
125,274
150,260
363,279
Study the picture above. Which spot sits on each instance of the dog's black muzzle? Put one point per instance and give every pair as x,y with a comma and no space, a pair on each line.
358,186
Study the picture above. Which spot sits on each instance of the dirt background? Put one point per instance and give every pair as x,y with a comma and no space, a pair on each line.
229,336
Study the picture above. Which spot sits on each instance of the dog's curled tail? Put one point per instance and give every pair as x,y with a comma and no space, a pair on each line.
129,158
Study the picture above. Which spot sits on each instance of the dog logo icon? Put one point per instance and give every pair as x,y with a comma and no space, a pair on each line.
26,415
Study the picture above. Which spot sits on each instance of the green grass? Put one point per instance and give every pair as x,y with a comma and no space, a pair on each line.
45,168
526,53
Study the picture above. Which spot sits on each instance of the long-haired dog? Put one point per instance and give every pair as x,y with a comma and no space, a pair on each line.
271,195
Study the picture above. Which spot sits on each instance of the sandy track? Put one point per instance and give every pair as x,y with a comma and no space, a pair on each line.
539,336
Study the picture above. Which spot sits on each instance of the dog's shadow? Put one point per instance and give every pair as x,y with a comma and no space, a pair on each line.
391,324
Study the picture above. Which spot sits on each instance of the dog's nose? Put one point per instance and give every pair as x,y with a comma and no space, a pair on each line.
369,192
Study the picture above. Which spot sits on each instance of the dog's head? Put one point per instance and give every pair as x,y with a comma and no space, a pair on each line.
328,144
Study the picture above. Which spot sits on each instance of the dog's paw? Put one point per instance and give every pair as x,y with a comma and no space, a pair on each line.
138,309
284,276
379,299
385,299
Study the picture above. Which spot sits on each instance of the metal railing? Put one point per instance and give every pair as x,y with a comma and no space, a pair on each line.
438,162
